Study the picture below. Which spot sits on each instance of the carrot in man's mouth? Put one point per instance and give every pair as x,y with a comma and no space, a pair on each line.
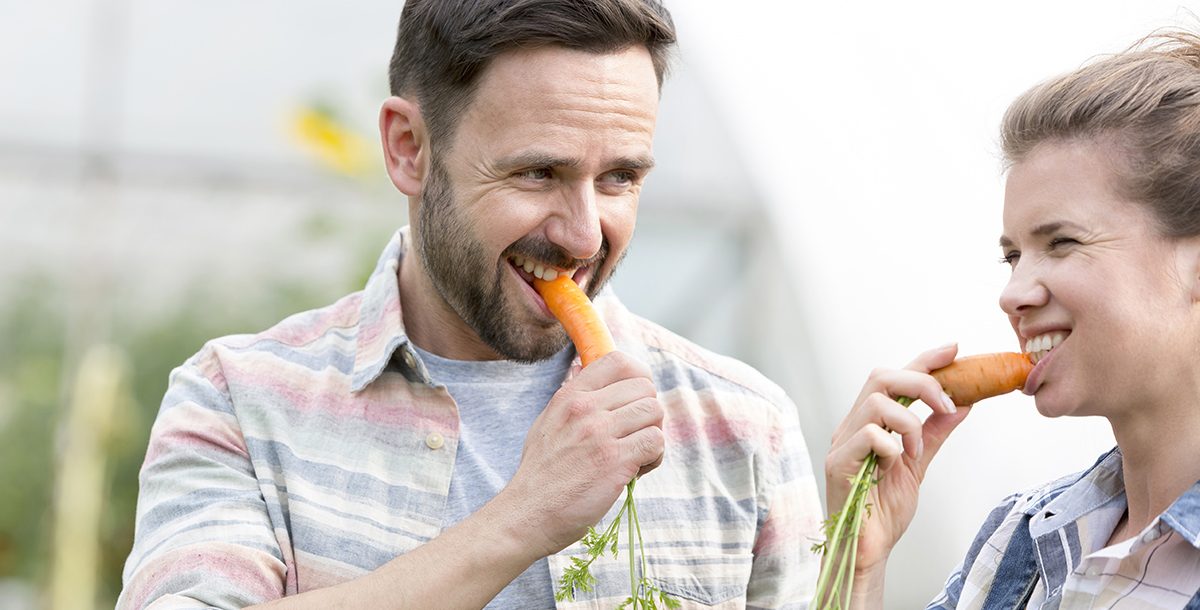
572,308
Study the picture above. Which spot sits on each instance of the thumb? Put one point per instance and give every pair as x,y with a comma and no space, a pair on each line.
572,372
935,431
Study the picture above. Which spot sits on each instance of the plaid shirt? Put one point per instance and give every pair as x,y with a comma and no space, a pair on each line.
316,451
1048,549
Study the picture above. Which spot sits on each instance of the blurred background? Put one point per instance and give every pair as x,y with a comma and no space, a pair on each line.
827,201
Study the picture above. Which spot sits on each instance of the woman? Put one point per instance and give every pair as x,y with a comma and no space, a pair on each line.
1102,231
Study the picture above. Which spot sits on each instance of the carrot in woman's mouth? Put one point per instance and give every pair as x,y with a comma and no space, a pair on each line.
971,379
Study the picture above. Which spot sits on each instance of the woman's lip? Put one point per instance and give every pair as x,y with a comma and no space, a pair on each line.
1034,381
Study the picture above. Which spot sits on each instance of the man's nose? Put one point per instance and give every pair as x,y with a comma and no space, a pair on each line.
575,227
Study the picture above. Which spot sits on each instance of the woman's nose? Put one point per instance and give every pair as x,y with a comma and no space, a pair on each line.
1024,291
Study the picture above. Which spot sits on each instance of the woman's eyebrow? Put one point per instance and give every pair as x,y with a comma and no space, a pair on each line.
1043,230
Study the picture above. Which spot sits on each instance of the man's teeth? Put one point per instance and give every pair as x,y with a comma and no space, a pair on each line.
1039,346
535,269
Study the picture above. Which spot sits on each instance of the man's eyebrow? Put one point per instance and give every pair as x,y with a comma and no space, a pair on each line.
536,159
541,159
640,162
1043,230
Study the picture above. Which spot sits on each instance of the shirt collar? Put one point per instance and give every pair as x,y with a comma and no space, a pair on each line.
380,324
628,334
1184,515
1069,499
1100,484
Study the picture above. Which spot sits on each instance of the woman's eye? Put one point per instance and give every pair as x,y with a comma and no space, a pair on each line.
1010,258
1061,241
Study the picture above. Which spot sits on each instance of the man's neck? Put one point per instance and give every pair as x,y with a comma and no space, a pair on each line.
430,322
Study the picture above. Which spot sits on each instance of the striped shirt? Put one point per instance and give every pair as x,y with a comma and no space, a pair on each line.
1048,549
316,451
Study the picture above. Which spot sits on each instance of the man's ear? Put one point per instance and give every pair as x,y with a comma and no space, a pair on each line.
405,144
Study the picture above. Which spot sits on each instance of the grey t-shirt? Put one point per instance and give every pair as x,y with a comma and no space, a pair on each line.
497,403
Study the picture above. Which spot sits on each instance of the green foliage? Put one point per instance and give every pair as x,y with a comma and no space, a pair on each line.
30,358
840,547
34,394
643,592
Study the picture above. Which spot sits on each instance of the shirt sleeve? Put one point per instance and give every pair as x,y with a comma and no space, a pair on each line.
784,571
203,536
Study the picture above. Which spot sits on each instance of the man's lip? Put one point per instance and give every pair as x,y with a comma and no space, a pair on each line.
527,287
580,275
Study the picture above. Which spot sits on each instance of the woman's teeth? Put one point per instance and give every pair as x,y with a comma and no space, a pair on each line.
535,269
1039,346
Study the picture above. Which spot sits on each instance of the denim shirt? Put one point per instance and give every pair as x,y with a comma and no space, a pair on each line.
1048,549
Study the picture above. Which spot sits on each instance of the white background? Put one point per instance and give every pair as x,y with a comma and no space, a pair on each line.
872,130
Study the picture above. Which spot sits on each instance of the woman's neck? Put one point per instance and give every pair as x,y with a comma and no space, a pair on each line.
1159,459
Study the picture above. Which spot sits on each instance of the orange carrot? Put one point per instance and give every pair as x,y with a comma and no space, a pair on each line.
592,340
973,378
574,311
967,380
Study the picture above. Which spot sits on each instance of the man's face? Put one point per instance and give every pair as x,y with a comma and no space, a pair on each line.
545,166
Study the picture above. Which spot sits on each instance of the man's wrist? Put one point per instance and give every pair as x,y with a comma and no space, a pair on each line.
513,529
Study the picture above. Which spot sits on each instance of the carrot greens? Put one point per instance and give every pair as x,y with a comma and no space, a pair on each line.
643,592
572,308
966,380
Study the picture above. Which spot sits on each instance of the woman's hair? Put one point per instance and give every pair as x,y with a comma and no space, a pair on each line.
1145,102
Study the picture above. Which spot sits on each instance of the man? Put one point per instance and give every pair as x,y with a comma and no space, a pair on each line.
429,442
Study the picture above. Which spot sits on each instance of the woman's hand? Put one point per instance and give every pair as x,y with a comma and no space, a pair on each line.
901,466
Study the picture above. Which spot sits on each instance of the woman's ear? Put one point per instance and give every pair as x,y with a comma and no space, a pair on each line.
405,144
1191,254
1196,282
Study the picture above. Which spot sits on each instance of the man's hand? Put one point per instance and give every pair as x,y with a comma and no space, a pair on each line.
600,430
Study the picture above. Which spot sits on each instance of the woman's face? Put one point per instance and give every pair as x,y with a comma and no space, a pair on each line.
1093,281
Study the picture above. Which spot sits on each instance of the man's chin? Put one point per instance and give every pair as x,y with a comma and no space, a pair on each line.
529,349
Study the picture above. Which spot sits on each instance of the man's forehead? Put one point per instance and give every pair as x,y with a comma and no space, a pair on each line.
554,66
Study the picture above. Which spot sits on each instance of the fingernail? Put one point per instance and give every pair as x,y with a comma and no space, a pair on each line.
920,447
949,402
948,345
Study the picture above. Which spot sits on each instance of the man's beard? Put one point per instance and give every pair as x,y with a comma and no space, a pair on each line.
458,268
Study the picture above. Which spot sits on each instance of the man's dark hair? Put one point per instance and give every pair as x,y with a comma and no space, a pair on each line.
443,46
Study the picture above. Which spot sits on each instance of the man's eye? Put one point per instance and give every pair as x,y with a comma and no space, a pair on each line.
621,176
536,173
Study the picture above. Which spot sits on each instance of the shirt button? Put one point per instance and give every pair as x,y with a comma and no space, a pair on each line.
409,361
434,441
